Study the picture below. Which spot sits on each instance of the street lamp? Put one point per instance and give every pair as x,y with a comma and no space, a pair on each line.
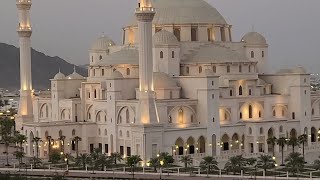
161,164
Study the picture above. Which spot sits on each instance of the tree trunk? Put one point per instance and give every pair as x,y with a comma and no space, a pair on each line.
282,154
293,148
7,154
303,150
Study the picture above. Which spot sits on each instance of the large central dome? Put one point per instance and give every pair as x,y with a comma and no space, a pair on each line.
184,12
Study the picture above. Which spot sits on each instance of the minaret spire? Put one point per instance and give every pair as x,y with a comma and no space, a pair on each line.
147,107
24,30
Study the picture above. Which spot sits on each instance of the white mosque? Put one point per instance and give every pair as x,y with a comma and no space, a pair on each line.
177,83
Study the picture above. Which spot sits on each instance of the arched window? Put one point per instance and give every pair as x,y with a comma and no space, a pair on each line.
250,92
260,115
128,71
240,90
191,119
194,34
89,116
281,129
262,53
73,132
228,69
293,115
250,111
231,92
161,54
128,134
213,119
172,54
283,112
170,119
187,70
120,133
91,58
240,68
214,69
102,72
105,132
274,113
99,132
240,115
200,69
95,93
249,68
252,54
100,57
261,130
250,130
312,111
127,116
171,95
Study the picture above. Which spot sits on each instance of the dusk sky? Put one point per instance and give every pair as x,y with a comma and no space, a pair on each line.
67,28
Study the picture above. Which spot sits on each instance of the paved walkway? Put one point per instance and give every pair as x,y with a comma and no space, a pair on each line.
122,175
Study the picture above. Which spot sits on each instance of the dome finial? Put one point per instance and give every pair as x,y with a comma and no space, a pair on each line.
102,34
74,69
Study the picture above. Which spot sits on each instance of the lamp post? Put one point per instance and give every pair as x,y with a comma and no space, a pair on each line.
161,164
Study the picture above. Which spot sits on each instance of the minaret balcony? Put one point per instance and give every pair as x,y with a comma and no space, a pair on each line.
23,1
145,9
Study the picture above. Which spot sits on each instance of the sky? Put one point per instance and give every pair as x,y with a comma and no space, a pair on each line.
67,28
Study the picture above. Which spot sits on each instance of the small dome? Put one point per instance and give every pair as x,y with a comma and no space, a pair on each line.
75,75
59,75
165,37
102,43
116,75
254,38
163,81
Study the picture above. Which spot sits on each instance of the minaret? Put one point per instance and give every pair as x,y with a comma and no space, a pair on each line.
147,106
25,112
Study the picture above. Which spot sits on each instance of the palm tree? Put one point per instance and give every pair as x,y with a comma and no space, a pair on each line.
293,142
94,157
186,160
316,164
6,132
166,158
235,164
19,155
82,160
154,162
36,140
272,141
303,139
67,158
49,138
35,161
208,163
116,157
282,142
132,162
295,163
76,140
265,162
20,139
104,161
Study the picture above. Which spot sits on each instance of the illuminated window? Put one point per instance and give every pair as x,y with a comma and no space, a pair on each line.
250,111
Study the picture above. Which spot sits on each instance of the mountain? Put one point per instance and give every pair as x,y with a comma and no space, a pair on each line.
43,68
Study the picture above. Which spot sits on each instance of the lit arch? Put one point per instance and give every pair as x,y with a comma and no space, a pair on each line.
252,110
126,114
